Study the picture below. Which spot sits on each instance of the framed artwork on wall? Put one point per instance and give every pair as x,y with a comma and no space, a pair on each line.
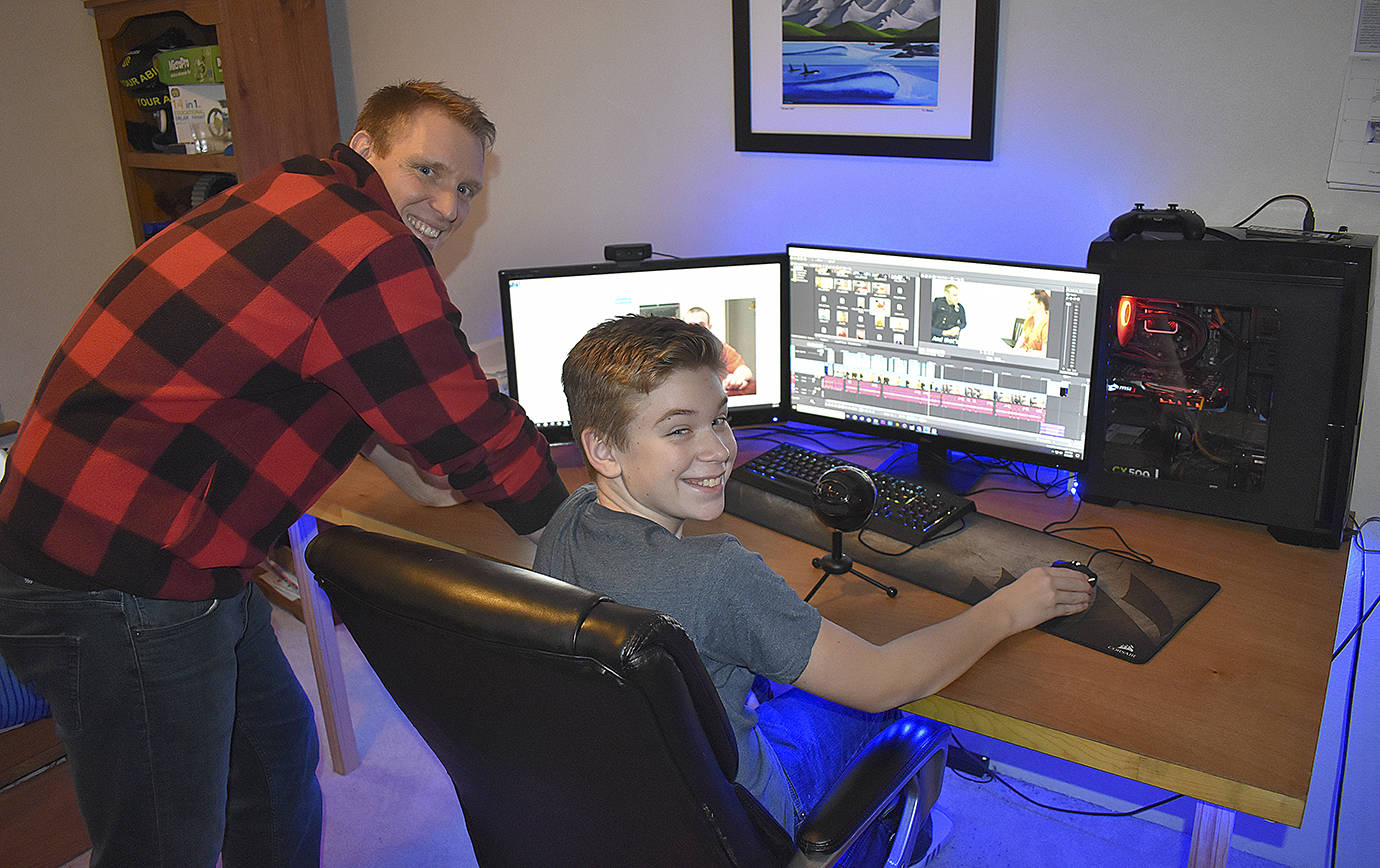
892,79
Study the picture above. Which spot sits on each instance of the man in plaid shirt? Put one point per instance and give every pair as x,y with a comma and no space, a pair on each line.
218,383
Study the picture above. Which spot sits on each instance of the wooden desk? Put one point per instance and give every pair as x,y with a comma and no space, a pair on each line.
1227,713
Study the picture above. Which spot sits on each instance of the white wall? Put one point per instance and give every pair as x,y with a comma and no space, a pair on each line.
616,124
64,226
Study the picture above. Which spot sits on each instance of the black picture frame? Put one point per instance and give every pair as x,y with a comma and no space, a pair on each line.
958,127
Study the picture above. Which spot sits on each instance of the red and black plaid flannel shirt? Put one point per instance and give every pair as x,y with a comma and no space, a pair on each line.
231,369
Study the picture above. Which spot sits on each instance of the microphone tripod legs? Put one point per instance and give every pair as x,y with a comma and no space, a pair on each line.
836,563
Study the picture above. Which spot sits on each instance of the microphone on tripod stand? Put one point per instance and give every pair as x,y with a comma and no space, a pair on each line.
843,499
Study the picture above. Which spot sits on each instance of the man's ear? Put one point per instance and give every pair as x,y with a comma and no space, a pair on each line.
600,454
362,143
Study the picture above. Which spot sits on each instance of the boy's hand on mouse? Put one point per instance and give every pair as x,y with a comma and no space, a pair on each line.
1043,593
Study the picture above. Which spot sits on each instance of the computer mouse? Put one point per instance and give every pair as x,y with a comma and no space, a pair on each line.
1092,585
1080,567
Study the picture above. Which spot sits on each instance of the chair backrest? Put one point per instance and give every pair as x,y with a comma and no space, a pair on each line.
576,730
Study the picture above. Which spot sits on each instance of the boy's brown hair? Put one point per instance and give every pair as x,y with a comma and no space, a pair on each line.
623,358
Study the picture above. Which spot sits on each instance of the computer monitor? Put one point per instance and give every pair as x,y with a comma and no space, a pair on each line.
989,358
546,310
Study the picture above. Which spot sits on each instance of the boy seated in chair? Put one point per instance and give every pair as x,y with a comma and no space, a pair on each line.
647,407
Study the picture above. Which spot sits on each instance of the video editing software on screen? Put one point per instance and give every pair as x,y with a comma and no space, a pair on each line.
981,353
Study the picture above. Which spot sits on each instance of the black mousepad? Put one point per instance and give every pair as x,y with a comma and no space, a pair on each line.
1138,608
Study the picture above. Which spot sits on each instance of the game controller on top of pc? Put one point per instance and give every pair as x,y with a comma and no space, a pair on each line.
1172,219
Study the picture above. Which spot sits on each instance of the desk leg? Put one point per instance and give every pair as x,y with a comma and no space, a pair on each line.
1211,836
325,652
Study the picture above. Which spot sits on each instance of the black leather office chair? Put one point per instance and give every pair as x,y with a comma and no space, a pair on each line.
579,731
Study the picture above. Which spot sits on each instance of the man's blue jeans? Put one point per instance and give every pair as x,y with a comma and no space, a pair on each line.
187,732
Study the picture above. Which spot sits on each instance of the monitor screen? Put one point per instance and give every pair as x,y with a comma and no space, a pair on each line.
740,298
991,358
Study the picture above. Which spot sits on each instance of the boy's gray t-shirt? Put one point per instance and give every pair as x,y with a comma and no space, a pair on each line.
741,615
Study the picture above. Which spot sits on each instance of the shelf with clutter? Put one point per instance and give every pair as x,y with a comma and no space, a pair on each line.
204,92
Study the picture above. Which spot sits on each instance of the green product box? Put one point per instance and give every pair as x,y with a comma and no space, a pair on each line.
199,64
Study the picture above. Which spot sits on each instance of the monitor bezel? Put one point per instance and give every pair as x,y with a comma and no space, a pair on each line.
948,442
772,410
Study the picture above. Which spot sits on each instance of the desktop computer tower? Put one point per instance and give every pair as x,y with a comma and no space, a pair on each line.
1228,375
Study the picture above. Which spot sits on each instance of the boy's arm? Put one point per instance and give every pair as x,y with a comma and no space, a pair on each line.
848,669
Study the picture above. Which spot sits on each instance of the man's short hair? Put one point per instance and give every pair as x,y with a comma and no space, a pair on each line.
387,112
621,359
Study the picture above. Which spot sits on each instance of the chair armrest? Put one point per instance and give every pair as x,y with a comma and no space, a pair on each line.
869,785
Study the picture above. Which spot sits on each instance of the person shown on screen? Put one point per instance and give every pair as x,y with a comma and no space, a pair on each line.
216,385
948,317
647,407
1035,329
738,378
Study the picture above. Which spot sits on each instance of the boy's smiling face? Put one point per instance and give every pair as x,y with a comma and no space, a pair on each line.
678,454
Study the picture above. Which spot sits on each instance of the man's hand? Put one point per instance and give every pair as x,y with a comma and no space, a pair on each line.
427,489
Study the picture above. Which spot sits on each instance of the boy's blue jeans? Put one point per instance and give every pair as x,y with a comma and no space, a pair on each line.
186,730
815,740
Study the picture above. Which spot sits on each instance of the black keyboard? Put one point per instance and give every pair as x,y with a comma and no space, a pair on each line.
908,511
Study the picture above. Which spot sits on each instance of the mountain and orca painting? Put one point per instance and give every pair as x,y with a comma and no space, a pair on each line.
860,52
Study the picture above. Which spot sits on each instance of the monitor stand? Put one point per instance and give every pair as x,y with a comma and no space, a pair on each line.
935,466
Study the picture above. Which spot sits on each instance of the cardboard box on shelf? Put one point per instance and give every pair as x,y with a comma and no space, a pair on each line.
201,117
199,64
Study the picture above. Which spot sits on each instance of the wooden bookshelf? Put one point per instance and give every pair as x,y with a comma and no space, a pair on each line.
279,90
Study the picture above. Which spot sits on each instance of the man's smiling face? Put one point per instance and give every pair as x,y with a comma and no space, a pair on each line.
433,169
